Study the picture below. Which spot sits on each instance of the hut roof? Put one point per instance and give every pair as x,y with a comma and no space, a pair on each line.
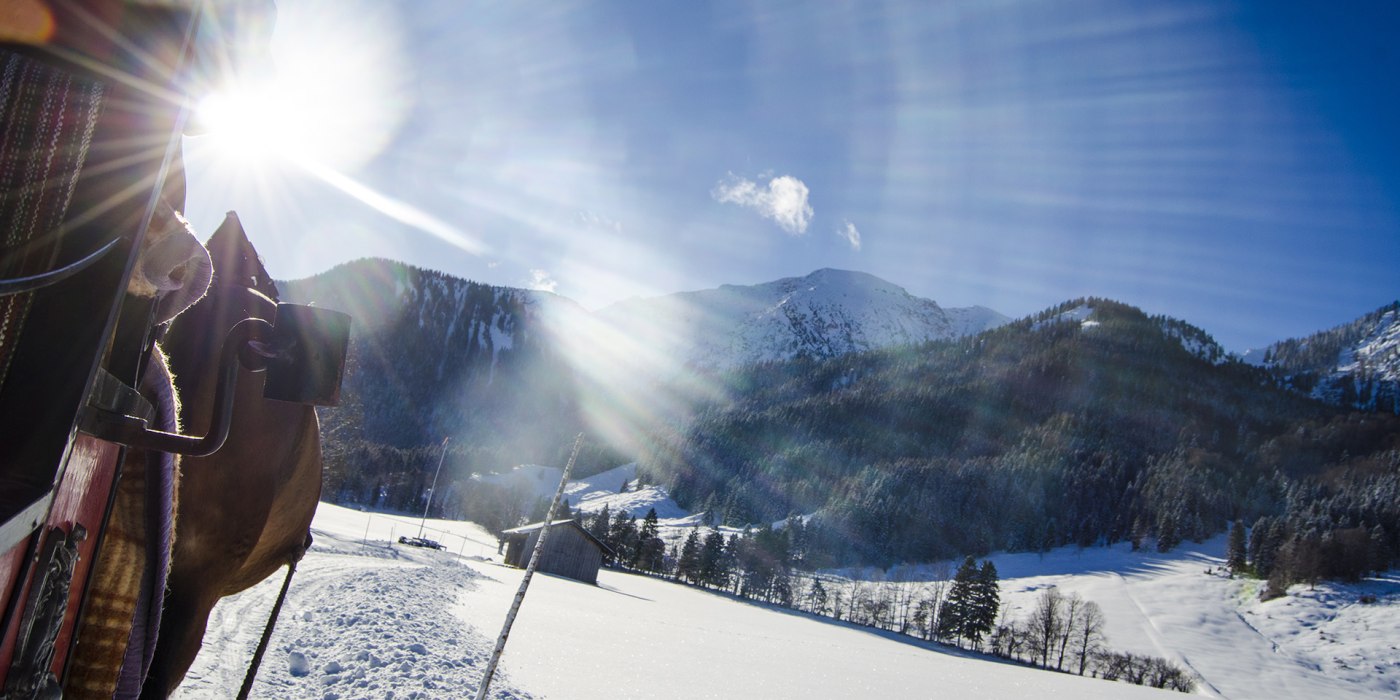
527,529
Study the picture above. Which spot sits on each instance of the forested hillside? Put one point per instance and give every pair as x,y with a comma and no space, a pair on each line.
1356,364
1089,423
434,356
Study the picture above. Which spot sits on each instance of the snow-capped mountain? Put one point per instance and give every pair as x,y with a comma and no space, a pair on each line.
824,314
1354,365
433,355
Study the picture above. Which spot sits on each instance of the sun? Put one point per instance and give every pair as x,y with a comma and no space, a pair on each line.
332,89
248,125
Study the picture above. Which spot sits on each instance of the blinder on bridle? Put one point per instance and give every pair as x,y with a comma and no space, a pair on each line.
302,350
310,345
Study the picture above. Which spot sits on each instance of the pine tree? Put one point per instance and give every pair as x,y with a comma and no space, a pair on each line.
688,566
650,548
711,570
1236,549
1265,545
601,524
622,537
729,561
954,617
986,603
816,598
799,542
1168,529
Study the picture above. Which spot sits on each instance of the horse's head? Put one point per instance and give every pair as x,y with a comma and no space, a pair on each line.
241,288
240,280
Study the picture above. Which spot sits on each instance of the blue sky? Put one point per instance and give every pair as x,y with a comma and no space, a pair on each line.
1236,165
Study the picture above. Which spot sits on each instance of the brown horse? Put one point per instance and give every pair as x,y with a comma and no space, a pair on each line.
246,510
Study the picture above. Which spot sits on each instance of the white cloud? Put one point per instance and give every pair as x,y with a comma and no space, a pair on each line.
783,199
540,280
849,232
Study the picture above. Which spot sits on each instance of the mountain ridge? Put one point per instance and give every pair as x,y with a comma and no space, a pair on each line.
1354,364
825,313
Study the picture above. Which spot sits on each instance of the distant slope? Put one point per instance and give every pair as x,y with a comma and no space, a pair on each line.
433,355
591,493
1355,364
824,314
511,375
1090,422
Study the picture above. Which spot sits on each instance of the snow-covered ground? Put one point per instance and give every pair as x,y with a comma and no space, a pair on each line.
1314,643
367,619
590,494
363,619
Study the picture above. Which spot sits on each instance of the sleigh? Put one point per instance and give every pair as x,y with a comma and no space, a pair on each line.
89,144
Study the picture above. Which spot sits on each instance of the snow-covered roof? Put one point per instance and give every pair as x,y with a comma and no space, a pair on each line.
535,526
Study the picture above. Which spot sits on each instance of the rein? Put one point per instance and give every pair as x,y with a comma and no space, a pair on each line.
271,624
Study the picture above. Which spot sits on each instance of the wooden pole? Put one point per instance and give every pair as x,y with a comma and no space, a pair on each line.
529,573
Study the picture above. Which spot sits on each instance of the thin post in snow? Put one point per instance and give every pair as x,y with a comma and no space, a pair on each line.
529,573
433,488
368,518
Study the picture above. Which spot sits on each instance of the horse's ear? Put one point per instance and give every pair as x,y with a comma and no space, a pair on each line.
235,260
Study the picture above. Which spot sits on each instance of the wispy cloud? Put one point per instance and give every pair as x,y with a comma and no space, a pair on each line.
594,220
849,232
783,199
540,280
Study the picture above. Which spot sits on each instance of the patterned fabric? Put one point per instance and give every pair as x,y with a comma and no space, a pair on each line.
47,117
47,120
118,635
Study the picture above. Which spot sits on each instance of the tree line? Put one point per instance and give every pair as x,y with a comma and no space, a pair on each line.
1062,633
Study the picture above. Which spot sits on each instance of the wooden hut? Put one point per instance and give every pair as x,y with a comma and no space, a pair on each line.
569,551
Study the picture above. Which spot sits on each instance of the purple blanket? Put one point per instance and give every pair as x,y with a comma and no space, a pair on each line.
161,478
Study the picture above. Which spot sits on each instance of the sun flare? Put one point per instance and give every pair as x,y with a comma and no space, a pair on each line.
334,92
246,125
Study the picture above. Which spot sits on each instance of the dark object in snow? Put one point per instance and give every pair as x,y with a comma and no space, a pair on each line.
570,551
421,542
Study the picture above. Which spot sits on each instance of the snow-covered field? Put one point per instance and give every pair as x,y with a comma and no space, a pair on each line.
1314,643
367,619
